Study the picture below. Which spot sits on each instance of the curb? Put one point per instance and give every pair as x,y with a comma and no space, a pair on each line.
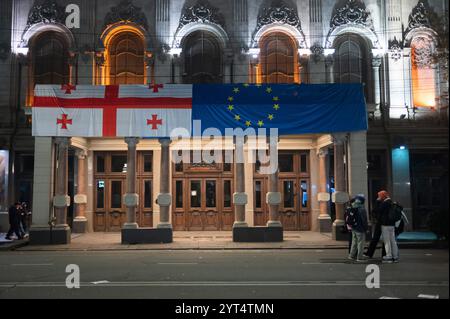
13,245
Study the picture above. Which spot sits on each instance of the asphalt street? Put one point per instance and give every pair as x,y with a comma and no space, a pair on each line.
237,274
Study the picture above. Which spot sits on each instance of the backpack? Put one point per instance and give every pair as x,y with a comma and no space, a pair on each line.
351,216
395,212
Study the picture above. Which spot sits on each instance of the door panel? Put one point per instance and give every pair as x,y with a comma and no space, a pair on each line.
227,213
117,214
289,204
195,205
178,207
261,215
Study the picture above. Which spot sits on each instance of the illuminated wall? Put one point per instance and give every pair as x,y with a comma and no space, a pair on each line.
423,74
4,160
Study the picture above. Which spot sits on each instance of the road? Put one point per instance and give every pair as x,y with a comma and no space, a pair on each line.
220,274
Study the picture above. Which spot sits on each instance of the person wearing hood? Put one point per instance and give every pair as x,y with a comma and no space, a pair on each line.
359,225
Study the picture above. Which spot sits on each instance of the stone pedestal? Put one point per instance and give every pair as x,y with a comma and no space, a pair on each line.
58,235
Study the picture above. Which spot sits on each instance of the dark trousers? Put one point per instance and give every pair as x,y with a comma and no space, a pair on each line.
14,228
374,242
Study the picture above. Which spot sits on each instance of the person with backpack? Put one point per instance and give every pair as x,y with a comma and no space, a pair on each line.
389,213
357,219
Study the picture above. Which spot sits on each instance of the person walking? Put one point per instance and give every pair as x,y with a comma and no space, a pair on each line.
14,218
357,219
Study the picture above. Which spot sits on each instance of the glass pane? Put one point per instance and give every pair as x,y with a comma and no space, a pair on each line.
210,193
148,194
303,163
196,194
227,167
100,163
226,193
147,163
100,194
304,185
116,194
119,163
258,194
179,166
288,193
286,162
179,194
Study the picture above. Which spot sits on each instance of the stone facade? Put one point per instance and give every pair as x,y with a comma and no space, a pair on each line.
385,33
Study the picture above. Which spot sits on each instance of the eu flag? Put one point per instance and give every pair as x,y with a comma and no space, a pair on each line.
291,108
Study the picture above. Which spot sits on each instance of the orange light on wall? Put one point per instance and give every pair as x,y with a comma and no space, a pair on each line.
423,74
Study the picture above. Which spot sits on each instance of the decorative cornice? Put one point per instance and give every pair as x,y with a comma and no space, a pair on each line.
201,12
47,11
395,49
352,12
126,12
422,15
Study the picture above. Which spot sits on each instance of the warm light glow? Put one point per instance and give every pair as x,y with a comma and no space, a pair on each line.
423,80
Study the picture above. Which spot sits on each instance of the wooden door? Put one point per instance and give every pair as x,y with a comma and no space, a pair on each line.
289,207
203,208
179,204
145,213
261,211
227,212
116,215
100,199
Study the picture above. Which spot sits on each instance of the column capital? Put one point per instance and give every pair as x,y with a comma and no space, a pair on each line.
81,154
62,142
339,138
165,141
132,141
376,62
322,152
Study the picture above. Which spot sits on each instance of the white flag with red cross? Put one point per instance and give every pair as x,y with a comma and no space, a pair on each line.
112,110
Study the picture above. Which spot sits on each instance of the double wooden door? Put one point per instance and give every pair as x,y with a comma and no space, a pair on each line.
294,212
202,203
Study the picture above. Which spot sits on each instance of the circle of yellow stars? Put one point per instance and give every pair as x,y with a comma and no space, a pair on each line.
247,122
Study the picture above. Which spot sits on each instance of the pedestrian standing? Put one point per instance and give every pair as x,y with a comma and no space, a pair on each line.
384,210
13,214
358,221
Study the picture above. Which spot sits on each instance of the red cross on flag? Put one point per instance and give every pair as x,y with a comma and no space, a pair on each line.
113,110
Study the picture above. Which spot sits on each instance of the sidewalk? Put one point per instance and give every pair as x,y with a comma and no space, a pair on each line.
213,240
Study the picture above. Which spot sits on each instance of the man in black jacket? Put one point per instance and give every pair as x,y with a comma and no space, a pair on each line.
14,219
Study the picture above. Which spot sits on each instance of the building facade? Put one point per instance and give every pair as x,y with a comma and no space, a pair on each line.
391,46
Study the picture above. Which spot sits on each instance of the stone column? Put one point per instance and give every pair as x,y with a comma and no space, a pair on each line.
323,196
340,196
329,69
376,63
61,199
80,199
131,199
239,197
273,196
165,197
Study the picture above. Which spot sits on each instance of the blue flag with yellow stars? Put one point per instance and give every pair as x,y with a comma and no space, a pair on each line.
291,108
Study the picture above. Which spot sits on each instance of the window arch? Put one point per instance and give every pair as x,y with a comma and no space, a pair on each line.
351,62
279,59
422,72
50,59
125,60
202,58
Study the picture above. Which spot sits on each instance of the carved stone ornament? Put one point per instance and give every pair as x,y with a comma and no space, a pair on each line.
352,12
421,16
201,12
423,55
317,51
47,11
395,49
125,11
280,13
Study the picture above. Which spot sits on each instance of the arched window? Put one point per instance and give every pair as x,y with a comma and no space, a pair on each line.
279,61
351,63
126,59
50,59
202,58
423,74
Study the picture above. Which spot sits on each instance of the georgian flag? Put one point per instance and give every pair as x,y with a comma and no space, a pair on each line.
113,110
